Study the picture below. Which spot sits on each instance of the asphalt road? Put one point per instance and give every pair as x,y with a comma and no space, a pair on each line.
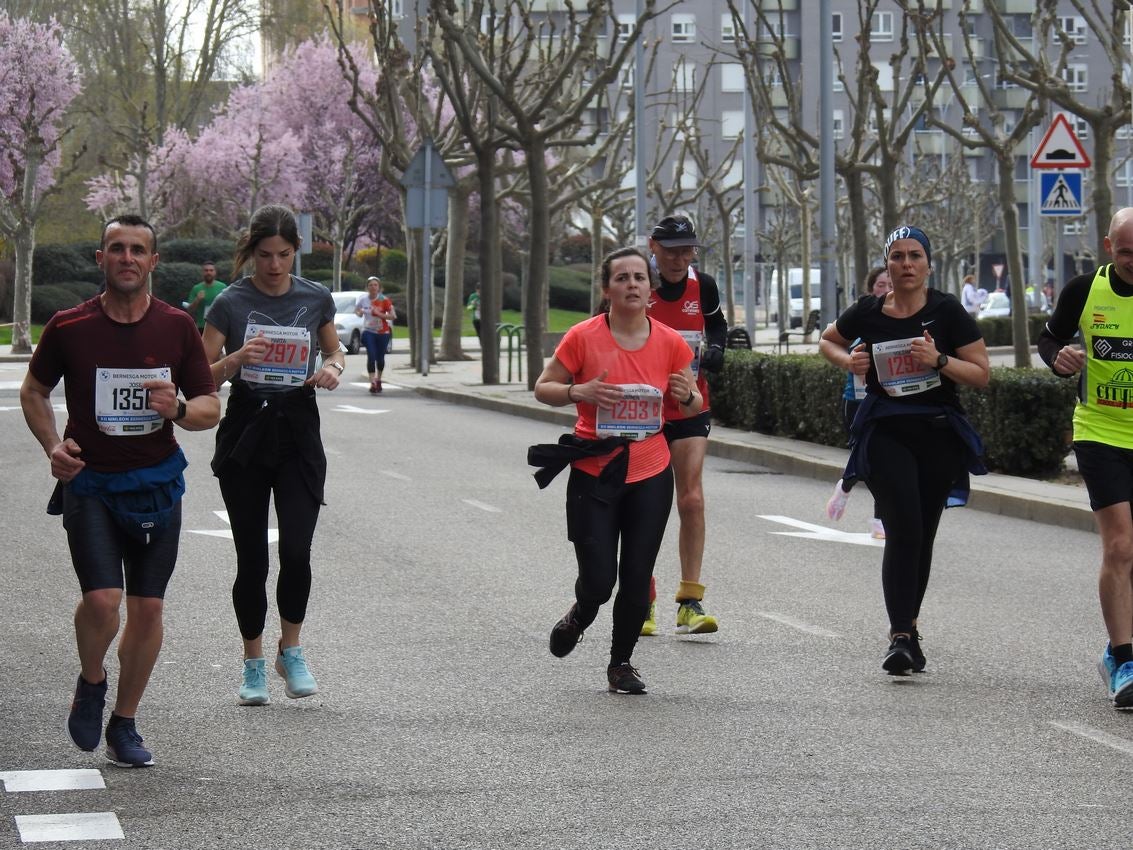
443,721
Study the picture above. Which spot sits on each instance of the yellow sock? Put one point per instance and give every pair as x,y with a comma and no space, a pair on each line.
690,590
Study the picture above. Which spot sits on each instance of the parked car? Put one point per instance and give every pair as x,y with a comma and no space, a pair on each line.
997,304
348,325
795,282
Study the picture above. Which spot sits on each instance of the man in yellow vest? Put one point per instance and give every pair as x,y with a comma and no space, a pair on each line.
1098,308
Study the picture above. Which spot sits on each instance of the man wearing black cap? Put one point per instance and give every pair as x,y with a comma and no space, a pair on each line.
689,302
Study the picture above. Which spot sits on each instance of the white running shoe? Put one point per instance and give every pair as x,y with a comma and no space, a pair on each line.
837,504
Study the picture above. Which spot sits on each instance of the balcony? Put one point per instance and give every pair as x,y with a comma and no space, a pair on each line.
766,47
1015,98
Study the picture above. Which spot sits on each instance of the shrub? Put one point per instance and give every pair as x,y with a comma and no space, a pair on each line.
395,266
51,264
172,281
997,330
569,288
198,252
49,299
1024,415
367,261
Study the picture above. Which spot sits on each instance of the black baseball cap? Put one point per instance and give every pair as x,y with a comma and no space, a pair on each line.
675,231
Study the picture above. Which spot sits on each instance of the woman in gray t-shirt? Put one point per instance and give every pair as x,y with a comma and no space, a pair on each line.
263,333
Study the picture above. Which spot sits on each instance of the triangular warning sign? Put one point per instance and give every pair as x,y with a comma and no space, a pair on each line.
1060,148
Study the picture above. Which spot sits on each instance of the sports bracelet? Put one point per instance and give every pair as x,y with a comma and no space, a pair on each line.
688,401
569,399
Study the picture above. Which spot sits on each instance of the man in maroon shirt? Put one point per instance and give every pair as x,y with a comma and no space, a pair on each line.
123,356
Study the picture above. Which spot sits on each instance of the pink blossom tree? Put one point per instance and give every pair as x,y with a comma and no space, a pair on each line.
38,81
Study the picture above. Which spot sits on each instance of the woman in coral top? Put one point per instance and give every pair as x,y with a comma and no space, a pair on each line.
616,368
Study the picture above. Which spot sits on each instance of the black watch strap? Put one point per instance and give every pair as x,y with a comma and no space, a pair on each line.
181,411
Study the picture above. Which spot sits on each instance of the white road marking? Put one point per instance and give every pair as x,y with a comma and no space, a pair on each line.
1096,735
821,532
273,533
349,408
484,506
76,826
794,623
85,779
11,385
396,475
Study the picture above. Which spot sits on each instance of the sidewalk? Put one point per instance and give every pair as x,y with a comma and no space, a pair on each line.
460,382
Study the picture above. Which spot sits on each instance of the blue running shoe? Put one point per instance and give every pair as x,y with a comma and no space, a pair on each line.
85,720
1123,686
254,690
124,746
291,665
1107,667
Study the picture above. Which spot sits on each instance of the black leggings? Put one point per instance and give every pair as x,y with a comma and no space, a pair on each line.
636,516
914,463
247,491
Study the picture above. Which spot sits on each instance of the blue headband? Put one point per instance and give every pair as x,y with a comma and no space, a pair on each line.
906,232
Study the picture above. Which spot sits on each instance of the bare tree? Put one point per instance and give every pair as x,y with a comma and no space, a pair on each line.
547,70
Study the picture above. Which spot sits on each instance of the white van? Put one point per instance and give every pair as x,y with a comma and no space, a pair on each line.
795,282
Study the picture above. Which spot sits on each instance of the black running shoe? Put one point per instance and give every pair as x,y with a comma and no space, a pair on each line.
624,679
917,652
85,720
566,634
899,659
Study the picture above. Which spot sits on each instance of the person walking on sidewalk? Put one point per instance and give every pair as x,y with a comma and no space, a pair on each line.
123,356
689,302
1097,308
616,368
272,326
377,311
911,441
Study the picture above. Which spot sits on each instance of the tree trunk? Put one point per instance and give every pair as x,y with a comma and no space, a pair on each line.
887,190
454,274
1006,164
336,267
24,244
596,254
1102,192
491,285
534,317
855,195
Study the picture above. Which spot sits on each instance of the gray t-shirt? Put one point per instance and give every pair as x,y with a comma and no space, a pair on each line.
306,305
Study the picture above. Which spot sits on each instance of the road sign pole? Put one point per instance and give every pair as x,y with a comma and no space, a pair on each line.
423,348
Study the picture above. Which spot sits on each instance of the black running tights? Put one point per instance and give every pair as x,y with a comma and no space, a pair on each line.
914,463
635,516
247,492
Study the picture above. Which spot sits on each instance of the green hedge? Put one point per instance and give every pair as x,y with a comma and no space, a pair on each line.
49,299
997,331
172,281
54,264
1024,415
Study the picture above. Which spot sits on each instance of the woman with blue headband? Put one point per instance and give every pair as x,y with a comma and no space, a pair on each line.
910,440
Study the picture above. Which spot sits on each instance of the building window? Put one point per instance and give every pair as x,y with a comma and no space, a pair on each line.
732,123
836,17
1125,131
626,73
727,29
1074,27
838,123
1073,226
1076,76
884,76
1020,26
683,29
881,26
924,123
1080,126
684,76
732,77
688,176
772,74
626,24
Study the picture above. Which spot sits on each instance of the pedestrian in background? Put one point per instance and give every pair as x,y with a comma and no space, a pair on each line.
271,327
971,297
878,285
377,312
1085,336
616,368
474,305
123,356
911,441
203,294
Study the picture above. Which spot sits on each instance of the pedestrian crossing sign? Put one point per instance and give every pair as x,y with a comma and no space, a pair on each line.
1061,192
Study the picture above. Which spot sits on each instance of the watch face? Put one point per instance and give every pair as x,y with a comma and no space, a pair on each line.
941,361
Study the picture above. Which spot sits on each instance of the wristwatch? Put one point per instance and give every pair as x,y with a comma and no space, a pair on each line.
181,411
941,362
340,367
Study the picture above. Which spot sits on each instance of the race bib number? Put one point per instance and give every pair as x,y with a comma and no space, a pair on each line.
287,359
694,339
898,372
636,416
121,403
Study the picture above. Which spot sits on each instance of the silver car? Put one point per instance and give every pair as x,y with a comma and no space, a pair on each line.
346,322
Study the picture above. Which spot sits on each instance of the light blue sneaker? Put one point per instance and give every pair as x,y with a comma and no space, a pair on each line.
1123,686
1107,668
254,691
292,666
